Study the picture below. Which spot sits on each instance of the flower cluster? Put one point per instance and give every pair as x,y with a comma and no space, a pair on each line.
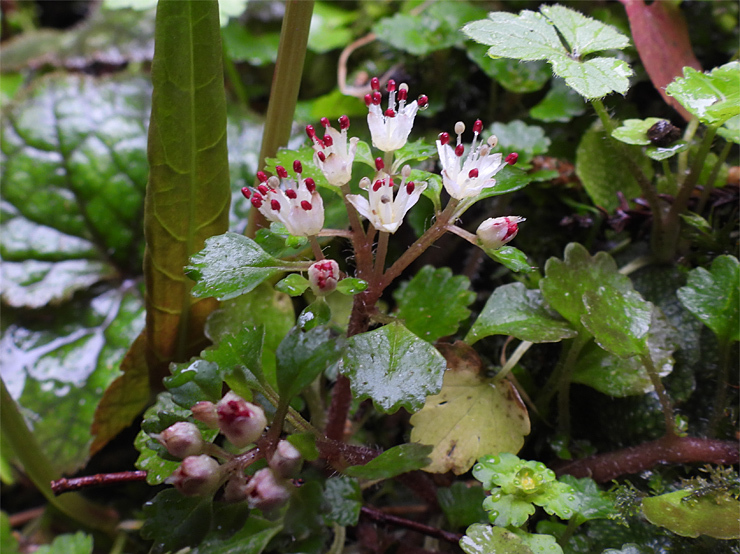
333,154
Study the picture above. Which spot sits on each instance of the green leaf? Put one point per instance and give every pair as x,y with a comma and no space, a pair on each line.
253,538
79,543
238,357
8,542
470,417
511,258
582,34
730,131
394,461
713,297
351,286
526,140
188,192
619,323
511,74
524,314
441,318
484,539
243,44
303,356
342,501
660,153
714,516
602,171
174,521
461,504
74,173
509,179
713,97
316,313
593,502
294,284
305,443
231,265
417,151
194,381
634,131
393,367
560,104
434,186
331,27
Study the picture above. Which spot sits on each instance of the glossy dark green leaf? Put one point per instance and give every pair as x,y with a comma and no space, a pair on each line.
393,367
618,322
660,153
294,284
511,258
712,516
252,538
509,179
433,320
514,310
434,186
713,296
316,313
231,265
593,502
416,151
304,355
462,504
561,104
351,286
394,461
342,501
713,97
194,381
174,521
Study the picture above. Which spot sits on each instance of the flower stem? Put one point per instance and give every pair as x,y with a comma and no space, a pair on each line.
565,382
665,400
316,248
380,255
720,397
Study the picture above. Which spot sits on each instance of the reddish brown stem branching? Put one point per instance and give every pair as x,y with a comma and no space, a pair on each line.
100,480
381,517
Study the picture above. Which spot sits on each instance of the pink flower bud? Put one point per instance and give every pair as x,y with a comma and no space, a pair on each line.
494,232
182,439
323,276
236,488
265,491
205,412
286,461
240,421
196,476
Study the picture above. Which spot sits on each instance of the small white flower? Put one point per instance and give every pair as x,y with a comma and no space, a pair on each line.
494,232
390,129
385,212
294,203
333,155
466,178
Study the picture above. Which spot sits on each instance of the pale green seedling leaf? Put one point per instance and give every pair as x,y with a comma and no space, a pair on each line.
710,515
394,461
351,286
582,34
393,367
594,78
524,314
511,258
485,539
713,97
660,153
634,131
294,284
526,140
79,543
731,130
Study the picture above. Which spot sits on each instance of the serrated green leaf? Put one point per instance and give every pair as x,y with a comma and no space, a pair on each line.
713,297
594,78
634,131
231,265
79,543
238,357
351,286
302,356
582,34
618,322
524,314
393,367
431,321
174,521
484,539
394,461
294,284
462,504
342,501
526,140
560,104
713,97
712,516
194,381
513,75
511,258
413,152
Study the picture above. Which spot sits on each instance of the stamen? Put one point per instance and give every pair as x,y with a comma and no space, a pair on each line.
459,150
444,138
391,85
375,83
310,131
422,101
376,98
344,122
297,166
262,176
328,141
275,205
290,193
325,122
263,189
389,113
281,171
410,187
379,163
256,201
246,192
321,156
459,128
477,126
306,205
403,92
377,185
310,185
473,173
512,158
368,100
492,141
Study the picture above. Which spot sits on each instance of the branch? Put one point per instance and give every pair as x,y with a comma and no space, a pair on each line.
381,517
63,485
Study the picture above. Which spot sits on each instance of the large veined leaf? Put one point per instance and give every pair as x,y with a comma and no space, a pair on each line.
188,193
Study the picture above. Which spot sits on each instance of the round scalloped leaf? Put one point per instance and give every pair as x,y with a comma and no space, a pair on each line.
484,539
715,516
713,97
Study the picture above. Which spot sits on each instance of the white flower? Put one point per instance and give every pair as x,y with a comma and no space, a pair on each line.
294,203
332,154
323,276
494,232
390,129
466,178
385,212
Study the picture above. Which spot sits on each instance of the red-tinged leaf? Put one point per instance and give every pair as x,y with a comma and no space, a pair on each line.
662,40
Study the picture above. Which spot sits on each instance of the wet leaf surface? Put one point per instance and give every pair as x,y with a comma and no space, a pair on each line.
394,461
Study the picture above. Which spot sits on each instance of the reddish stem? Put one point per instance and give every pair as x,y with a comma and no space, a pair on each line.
381,517
100,480
668,449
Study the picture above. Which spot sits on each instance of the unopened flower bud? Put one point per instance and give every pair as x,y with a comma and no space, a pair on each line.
196,476
240,421
182,439
236,488
494,232
205,412
323,276
286,461
265,491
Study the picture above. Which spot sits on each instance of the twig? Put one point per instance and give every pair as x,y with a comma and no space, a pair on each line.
381,517
99,480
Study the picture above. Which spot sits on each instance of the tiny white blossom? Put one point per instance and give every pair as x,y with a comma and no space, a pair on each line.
294,203
333,154
381,208
494,232
467,177
390,128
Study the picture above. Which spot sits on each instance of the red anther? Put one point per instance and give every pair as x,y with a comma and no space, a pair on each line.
459,150
281,171
290,193
444,138
423,100
512,158
246,192
389,113
263,188
328,141
379,163
297,166
511,227
391,85
306,205
275,205
321,156
262,176
325,122
344,122
377,185
410,187
368,100
256,201
477,126
473,173
376,98
310,131
403,93
375,83
310,184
